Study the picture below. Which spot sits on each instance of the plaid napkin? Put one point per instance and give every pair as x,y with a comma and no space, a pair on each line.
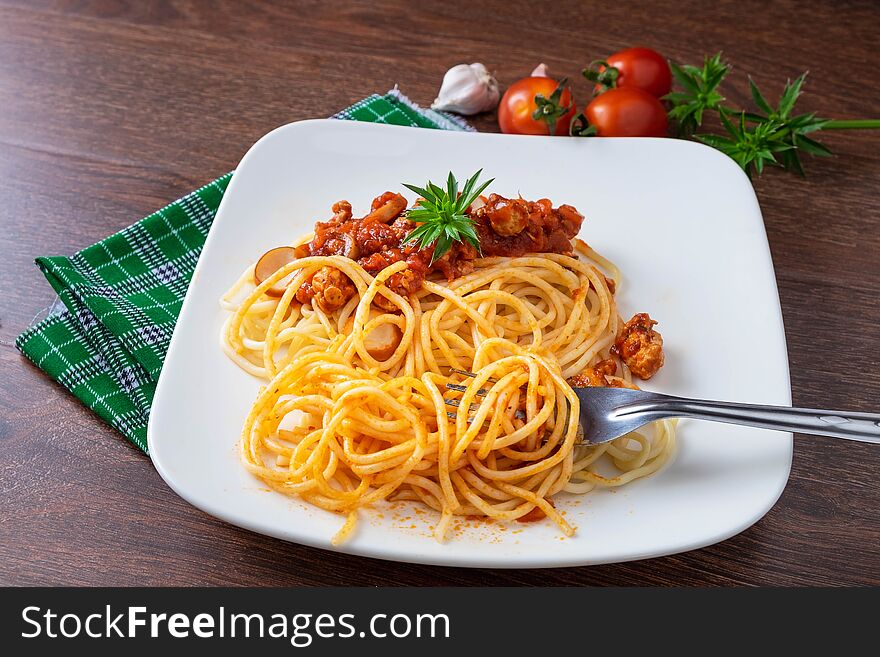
119,299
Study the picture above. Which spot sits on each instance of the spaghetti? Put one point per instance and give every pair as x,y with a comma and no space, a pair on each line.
343,426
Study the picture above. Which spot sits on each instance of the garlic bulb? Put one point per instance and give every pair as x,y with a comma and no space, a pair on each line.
467,89
541,71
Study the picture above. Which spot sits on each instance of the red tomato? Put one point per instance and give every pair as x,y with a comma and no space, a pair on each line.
518,104
627,112
643,69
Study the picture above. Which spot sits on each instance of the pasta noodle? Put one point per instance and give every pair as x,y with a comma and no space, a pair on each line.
342,429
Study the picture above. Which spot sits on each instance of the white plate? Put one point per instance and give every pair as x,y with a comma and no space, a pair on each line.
680,219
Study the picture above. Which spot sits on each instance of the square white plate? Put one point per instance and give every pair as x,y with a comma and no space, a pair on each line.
680,220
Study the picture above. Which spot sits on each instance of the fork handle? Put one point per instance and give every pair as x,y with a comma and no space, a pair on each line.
864,427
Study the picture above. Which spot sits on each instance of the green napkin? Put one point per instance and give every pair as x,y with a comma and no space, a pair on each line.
107,340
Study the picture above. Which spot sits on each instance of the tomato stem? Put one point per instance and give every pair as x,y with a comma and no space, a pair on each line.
550,110
853,124
602,75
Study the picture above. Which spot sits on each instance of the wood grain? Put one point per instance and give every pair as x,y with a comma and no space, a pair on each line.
109,109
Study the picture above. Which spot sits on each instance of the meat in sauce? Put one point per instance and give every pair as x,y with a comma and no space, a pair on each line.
601,375
596,376
513,227
640,346
329,288
506,227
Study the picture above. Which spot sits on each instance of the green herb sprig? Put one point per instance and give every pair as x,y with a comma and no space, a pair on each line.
441,214
750,146
773,136
791,130
699,92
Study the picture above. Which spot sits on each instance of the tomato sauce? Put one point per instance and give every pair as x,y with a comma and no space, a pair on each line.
505,227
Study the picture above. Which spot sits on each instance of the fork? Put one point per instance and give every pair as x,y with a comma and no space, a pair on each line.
609,413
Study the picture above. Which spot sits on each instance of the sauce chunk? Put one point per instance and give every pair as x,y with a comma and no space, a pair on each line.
505,227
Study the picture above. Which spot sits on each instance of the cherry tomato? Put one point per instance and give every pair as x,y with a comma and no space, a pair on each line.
643,69
627,112
518,104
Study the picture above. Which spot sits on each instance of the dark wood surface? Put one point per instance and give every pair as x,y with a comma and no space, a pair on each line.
109,109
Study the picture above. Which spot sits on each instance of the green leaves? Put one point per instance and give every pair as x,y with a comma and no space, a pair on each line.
772,136
752,147
550,110
441,214
700,92
791,129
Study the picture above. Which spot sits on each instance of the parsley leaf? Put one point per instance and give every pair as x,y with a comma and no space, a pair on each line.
700,92
442,214
793,129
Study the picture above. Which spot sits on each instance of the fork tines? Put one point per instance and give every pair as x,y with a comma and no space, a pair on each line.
520,415
464,372
471,374
482,392
457,403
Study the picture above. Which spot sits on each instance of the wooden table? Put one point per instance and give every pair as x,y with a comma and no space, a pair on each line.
109,109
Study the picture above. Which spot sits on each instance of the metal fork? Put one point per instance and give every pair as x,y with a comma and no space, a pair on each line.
609,413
